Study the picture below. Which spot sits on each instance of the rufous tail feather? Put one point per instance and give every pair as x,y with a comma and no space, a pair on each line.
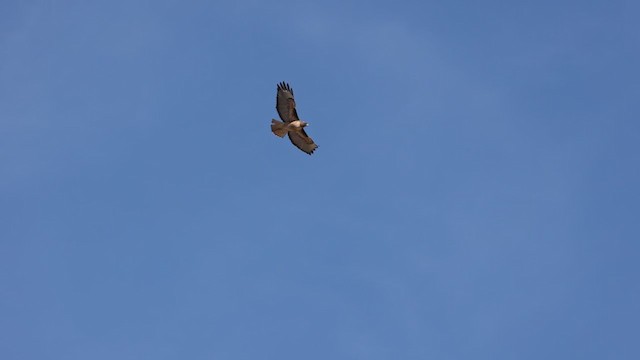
278,128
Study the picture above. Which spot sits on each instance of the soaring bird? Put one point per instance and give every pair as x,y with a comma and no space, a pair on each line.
291,124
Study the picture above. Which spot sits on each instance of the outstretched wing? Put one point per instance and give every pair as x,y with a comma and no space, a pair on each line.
302,141
285,104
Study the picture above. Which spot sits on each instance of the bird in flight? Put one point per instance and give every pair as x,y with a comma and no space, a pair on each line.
291,124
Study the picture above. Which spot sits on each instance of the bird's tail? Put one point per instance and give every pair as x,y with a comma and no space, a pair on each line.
278,128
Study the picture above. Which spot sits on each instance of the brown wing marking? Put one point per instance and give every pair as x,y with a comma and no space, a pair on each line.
285,103
302,141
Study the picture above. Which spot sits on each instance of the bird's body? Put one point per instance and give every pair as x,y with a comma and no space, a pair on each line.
282,128
291,124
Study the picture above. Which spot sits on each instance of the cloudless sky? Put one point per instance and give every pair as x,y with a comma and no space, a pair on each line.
475,193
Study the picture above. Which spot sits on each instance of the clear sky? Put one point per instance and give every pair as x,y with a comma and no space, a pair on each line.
475,193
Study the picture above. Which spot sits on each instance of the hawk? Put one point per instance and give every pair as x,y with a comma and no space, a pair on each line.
291,124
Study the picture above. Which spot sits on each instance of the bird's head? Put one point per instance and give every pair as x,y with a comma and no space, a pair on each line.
303,123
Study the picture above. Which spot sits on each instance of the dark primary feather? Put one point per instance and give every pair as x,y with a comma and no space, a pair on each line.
285,103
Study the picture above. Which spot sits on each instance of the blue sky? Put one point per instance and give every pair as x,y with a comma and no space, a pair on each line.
474,196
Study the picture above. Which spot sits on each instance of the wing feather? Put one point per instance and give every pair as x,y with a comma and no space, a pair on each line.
286,104
302,141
